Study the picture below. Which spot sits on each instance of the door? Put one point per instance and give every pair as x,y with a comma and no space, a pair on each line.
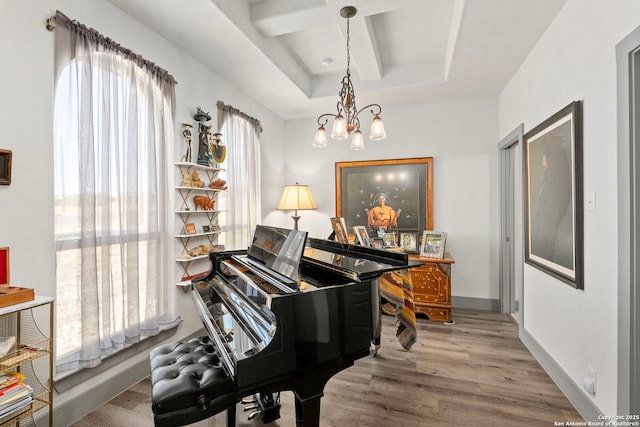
510,211
628,82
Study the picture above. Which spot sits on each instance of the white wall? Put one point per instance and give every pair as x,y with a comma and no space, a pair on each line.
462,138
575,60
26,108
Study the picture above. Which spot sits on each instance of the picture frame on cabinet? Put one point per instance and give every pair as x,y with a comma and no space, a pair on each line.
189,228
389,240
376,242
340,230
361,235
553,196
433,244
5,167
206,228
4,266
408,241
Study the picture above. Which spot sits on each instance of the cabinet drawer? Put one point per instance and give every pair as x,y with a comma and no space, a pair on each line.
435,314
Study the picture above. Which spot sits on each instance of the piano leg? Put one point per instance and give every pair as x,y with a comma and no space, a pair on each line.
376,310
308,411
231,416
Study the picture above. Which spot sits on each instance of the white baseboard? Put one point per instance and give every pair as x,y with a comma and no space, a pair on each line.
571,390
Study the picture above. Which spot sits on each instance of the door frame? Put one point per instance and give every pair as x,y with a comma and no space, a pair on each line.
628,100
507,221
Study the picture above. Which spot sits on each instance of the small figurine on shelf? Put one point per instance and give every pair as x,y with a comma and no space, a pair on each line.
203,136
201,116
217,151
187,139
191,180
196,181
218,184
203,202
200,250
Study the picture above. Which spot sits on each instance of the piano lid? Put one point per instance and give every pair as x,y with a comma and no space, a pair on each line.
358,263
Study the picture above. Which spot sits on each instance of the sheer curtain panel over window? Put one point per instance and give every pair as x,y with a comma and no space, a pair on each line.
242,135
113,127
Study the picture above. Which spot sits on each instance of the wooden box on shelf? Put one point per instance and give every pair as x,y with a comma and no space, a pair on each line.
10,295
432,287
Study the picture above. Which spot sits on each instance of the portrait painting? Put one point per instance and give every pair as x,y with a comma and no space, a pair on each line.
386,194
553,199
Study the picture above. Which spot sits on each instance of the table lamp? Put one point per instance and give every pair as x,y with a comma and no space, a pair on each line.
296,197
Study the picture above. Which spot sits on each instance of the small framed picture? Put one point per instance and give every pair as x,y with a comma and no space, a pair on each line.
389,240
206,228
433,244
340,229
376,242
5,167
408,241
361,235
4,266
190,228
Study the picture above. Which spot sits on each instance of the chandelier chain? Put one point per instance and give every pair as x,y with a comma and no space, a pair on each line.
348,50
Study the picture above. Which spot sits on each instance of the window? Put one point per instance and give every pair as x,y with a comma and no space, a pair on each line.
242,135
113,124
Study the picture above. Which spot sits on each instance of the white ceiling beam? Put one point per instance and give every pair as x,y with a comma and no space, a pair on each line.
364,48
454,31
417,73
277,17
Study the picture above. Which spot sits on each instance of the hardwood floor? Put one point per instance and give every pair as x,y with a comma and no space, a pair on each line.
475,372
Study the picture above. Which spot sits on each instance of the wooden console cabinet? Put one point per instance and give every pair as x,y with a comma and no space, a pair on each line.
432,287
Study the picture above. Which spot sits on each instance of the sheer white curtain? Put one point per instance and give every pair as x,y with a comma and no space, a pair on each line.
241,133
113,129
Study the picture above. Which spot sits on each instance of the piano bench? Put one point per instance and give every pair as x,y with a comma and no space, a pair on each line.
189,384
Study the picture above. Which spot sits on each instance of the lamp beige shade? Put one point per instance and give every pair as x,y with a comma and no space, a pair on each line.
296,197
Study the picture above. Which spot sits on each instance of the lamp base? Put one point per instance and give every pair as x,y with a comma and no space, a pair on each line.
295,221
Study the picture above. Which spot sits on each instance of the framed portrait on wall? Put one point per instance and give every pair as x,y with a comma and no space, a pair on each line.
386,194
553,195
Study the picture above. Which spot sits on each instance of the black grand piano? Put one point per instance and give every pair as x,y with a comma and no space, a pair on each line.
286,314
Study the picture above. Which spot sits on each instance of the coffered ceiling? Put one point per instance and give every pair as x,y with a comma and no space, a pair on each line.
290,55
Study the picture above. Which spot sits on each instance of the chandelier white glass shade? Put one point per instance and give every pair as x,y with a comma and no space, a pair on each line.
346,121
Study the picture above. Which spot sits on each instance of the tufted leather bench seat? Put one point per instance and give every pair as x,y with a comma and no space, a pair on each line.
189,383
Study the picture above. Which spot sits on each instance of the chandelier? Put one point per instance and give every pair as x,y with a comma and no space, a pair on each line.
346,121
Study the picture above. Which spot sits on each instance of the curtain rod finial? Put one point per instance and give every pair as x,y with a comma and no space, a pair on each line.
51,23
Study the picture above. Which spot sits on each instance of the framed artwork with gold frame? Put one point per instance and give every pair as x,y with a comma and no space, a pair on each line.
392,194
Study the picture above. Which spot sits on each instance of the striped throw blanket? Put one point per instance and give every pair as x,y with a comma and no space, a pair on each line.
396,288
